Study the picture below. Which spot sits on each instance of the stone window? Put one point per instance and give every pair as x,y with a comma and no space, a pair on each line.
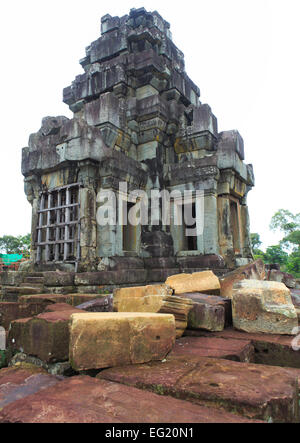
58,228
129,230
190,242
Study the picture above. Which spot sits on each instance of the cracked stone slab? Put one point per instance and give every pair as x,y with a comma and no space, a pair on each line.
84,399
254,391
18,382
270,349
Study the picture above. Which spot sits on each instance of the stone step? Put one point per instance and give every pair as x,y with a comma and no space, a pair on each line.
83,399
36,280
254,391
35,274
270,349
12,293
31,285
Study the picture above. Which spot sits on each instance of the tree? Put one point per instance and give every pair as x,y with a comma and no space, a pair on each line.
289,224
16,245
255,241
276,254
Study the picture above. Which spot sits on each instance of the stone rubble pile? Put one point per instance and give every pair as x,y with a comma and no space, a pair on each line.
133,337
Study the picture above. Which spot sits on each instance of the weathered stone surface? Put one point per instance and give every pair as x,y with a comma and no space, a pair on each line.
84,399
205,282
295,295
20,381
270,349
10,311
209,318
44,299
205,315
101,304
45,336
56,307
140,292
282,277
59,278
252,271
254,391
11,278
111,339
261,306
236,350
155,299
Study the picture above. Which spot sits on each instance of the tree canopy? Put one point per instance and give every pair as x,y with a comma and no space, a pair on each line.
16,245
287,252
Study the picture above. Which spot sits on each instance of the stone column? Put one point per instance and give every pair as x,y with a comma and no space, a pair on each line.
225,234
210,231
88,227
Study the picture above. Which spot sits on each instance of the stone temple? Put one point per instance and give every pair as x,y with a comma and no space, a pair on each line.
137,120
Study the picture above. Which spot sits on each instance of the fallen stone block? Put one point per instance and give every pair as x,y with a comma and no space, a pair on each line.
18,382
208,312
236,350
101,340
263,306
205,282
140,292
10,311
154,299
255,391
282,277
56,307
103,304
84,399
212,301
252,271
295,295
270,349
45,336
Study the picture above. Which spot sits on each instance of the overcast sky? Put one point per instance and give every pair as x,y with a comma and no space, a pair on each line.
243,55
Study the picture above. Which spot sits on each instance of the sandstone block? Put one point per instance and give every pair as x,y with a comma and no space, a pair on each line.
255,391
84,399
17,382
212,301
155,299
101,340
10,311
236,350
282,277
45,336
101,304
262,306
205,282
252,271
139,292
270,349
